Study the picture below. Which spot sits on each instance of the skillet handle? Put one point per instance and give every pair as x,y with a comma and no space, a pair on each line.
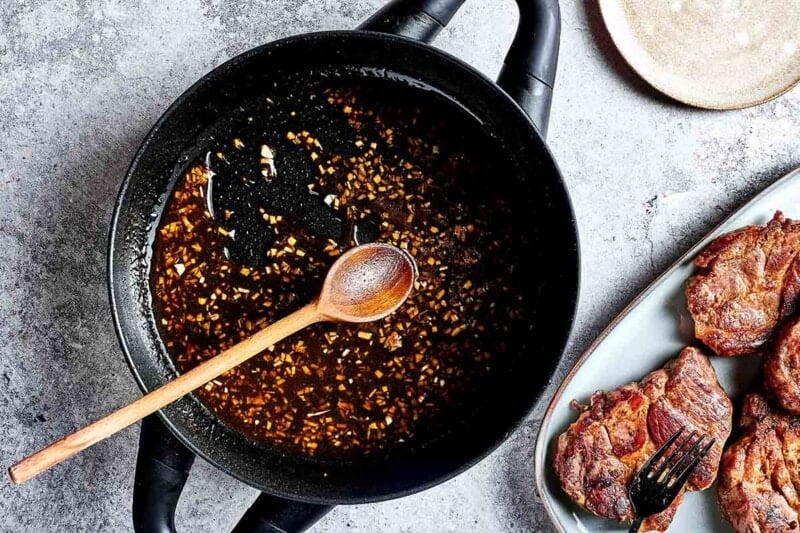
529,70
162,467
270,514
416,19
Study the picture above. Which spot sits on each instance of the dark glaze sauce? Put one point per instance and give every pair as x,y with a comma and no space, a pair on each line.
352,164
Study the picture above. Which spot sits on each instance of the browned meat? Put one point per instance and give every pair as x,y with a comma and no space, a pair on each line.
749,280
620,429
782,366
759,478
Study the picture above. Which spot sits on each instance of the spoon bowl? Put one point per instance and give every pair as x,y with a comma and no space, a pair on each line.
367,283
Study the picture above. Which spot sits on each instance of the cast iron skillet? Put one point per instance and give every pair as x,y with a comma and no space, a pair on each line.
299,490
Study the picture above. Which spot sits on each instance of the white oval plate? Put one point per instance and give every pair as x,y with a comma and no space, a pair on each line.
650,330
717,54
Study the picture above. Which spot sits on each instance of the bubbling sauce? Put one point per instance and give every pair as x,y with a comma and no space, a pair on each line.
249,233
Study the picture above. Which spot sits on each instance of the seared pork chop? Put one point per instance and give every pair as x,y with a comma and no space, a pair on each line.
748,281
782,366
759,477
619,430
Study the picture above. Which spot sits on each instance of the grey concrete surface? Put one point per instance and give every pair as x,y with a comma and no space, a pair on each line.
81,81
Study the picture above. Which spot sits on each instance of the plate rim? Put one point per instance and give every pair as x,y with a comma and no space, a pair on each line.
540,447
718,105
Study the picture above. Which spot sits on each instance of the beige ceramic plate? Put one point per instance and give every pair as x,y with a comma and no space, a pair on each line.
651,330
717,54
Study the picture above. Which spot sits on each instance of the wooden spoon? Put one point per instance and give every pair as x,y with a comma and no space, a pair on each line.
366,283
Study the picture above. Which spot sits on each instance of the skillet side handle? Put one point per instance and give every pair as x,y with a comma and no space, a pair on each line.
270,514
529,70
162,467
416,19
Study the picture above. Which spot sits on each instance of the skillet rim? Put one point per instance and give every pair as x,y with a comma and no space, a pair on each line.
571,286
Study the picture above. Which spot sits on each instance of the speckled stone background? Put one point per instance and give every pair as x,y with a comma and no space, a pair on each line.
81,81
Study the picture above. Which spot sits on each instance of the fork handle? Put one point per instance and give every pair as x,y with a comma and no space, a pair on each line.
637,523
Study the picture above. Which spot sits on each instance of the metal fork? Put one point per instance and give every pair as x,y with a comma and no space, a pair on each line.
658,482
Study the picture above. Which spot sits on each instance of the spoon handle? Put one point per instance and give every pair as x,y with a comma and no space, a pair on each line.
164,395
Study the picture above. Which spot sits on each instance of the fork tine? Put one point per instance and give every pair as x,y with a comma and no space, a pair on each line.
685,458
678,449
662,450
684,475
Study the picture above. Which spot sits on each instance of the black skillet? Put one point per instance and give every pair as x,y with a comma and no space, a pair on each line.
297,490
